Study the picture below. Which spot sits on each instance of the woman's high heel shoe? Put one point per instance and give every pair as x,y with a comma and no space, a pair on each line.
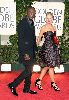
38,84
54,86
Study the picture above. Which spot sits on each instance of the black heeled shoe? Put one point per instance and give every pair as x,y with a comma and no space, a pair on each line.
55,87
13,90
38,85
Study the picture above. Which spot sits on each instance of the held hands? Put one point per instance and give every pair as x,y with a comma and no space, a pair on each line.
37,41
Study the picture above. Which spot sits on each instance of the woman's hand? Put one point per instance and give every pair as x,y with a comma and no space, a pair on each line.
37,41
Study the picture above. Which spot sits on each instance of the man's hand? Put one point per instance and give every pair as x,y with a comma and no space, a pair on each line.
26,57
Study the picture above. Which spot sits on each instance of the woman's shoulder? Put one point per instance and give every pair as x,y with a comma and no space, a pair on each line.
54,28
43,26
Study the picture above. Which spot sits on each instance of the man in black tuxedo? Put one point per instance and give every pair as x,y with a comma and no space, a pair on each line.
26,48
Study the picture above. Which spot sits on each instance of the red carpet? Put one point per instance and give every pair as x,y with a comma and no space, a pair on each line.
46,94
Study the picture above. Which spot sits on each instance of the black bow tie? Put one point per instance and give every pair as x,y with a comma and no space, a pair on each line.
31,22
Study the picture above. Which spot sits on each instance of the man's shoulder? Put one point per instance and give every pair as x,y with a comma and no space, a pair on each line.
24,19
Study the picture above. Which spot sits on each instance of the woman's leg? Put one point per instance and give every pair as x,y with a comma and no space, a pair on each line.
53,84
43,72
51,73
38,81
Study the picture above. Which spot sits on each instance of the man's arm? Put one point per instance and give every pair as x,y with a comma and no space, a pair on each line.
20,31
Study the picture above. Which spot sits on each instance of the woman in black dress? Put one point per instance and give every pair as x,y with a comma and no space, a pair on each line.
49,52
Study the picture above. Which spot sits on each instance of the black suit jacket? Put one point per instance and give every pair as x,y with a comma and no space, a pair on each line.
26,40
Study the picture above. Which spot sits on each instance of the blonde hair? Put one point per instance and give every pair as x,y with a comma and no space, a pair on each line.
49,13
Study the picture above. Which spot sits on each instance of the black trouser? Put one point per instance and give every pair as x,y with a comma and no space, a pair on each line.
26,74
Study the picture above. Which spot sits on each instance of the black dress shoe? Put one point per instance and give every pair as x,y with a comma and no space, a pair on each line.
30,91
13,90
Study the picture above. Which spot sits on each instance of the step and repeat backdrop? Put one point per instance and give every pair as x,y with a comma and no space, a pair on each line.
8,17
7,20
57,8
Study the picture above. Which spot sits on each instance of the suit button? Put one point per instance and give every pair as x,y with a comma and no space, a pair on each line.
26,42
